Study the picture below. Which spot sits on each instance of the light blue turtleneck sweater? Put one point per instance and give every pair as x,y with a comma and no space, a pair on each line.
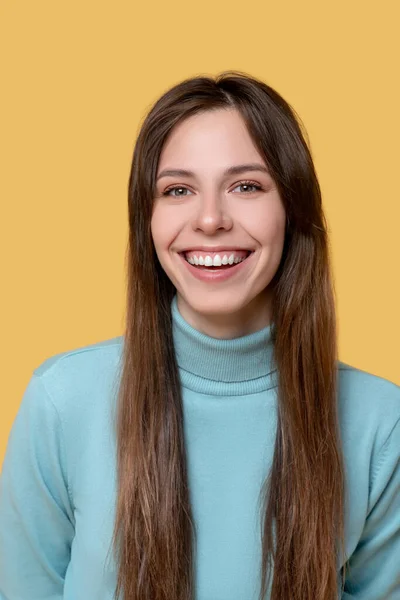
57,486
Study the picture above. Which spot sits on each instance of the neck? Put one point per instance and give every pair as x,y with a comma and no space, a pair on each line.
221,324
215,366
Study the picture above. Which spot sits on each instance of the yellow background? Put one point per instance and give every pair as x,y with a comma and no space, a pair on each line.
77,78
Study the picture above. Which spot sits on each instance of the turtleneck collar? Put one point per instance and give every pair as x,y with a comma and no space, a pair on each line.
237,366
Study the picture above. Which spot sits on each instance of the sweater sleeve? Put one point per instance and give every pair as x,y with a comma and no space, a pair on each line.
36,514
374,566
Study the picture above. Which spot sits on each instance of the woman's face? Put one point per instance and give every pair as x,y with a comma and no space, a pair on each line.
211,206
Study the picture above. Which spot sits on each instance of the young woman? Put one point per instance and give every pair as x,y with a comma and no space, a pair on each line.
219,447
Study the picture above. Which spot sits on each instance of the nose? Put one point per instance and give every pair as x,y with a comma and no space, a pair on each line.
211,214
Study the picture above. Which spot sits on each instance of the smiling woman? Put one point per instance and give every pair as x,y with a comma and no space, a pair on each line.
243,461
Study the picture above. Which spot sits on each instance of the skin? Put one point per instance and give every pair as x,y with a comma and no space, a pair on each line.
211,208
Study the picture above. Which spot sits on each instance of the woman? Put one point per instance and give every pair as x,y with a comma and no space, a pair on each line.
247,461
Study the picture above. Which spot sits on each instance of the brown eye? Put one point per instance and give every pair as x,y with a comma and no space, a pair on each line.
180,189
247,187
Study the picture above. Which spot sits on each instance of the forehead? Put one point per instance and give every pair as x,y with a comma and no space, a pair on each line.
209,139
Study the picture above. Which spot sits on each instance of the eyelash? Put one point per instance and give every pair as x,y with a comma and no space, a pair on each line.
249,183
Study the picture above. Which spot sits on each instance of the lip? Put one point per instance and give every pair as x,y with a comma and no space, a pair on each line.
214,248
216,276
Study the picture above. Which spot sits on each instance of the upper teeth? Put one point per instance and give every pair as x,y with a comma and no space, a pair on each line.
217,261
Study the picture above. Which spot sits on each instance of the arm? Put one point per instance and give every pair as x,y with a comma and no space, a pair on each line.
374,567
36,512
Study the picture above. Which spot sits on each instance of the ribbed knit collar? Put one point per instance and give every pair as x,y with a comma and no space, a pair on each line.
217,366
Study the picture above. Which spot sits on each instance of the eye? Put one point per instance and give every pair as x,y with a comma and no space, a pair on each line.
178,188
246,187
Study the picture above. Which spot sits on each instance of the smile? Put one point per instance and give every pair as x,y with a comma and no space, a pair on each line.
217,273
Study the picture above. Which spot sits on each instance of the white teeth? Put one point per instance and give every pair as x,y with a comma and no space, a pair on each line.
214,262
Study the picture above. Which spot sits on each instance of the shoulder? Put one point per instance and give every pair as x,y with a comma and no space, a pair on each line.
369,406
88,355
79,378
367,390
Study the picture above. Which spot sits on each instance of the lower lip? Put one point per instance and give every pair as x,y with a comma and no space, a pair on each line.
217,275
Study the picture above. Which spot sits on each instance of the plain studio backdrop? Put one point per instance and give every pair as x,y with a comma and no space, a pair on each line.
76,80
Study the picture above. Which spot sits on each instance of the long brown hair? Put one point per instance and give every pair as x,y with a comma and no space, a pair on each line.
303,496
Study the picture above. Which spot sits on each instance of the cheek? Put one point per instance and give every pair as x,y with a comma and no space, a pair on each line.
268,224
275,231
164,227
159,238
156,230
159,226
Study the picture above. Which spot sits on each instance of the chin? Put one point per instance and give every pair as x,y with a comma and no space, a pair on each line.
213,304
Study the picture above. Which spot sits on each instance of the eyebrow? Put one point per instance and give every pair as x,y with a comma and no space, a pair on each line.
234,170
